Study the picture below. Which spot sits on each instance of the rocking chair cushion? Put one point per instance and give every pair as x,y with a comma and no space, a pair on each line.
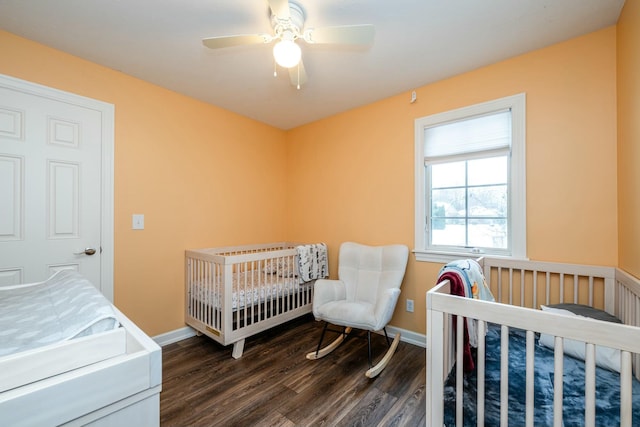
345,313
325,291
361,315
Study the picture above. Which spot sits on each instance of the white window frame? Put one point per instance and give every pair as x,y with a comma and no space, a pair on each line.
517,178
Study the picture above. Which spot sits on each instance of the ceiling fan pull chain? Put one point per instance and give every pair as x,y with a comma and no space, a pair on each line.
298,76
275,69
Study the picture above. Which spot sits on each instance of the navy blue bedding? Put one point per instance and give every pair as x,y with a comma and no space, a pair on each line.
607,388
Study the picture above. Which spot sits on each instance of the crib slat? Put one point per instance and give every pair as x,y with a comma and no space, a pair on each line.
248,294
482,328
193,304
279,302
529,381
558,383
626,403
504,375
535,289
511,286
210,289
213,297
253,283
630,302
459,369
500,284
548,282
617,302
207,284
236,288
212,282
202,277
217,282
522,288
268,305
199,274
561,287
590,385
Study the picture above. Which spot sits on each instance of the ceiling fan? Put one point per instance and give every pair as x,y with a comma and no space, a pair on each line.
287,20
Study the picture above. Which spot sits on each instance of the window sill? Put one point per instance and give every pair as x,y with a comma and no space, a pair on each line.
445,257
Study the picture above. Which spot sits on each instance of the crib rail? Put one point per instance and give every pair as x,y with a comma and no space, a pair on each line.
531,284
519,287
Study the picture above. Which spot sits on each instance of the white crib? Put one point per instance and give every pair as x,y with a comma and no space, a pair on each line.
520,287
235,292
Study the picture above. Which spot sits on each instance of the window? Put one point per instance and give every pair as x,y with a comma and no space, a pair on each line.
470,181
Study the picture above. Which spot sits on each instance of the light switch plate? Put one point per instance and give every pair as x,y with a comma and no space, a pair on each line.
138,222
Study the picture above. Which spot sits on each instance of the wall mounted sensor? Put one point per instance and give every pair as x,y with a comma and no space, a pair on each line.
414,97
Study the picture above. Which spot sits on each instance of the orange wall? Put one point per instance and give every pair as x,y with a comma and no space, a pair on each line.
202,177
361,185
628,36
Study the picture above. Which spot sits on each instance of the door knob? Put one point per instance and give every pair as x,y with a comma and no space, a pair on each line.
87,251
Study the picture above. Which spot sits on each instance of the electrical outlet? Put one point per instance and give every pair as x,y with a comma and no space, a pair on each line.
410,305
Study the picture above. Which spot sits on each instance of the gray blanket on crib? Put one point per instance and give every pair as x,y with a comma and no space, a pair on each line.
607,388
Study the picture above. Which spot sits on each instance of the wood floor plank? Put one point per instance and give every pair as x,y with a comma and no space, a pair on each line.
273,384
370,409
275,419
409,410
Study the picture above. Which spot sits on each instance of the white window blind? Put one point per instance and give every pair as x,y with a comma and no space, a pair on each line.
491,132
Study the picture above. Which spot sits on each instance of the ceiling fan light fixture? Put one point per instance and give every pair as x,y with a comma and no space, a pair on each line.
287,53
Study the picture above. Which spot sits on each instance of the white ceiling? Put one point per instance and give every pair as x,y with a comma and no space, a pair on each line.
416,42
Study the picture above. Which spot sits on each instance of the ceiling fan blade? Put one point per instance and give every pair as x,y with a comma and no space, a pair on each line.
345,34
280,8
238,40
298,75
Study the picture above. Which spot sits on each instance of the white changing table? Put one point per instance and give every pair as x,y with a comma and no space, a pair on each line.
121,390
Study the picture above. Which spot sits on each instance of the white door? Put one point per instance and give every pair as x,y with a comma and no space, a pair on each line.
51,190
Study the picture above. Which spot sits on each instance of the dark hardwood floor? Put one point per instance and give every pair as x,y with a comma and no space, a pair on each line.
273,384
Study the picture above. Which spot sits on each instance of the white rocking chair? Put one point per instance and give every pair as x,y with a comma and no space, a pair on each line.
363,297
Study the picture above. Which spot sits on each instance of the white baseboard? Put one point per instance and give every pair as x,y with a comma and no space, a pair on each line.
174,336
188,332
408,336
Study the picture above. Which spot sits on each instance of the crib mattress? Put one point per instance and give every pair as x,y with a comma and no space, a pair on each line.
249,288
63,307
